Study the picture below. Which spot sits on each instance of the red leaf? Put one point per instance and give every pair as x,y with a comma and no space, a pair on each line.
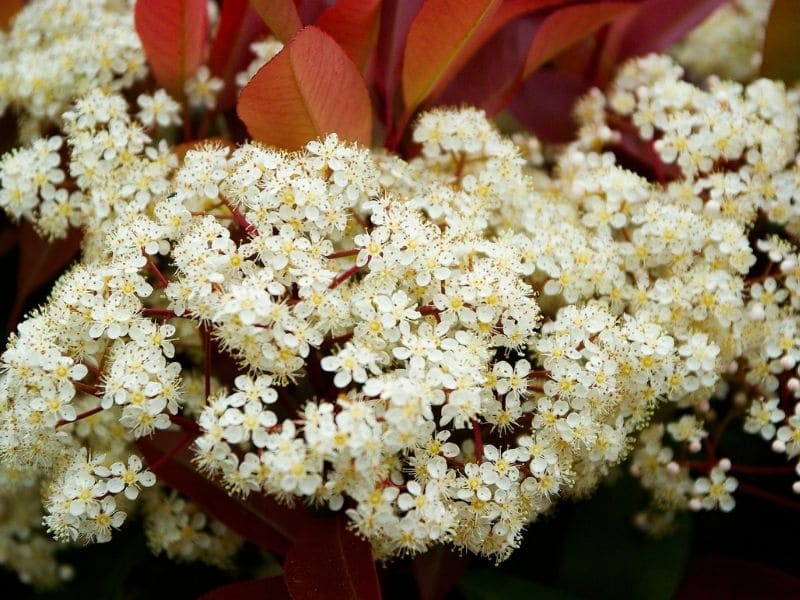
280,16
395,21
354,26
510,10
329,561
39,263
8,8
493,75
721,577
567,26
311,88
173,35
441,40
239,26
496,72
273,588
257,518
782,43
437,571
310,10
544,104
9,235
653,27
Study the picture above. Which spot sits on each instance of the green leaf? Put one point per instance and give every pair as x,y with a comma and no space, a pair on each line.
604,556
496,585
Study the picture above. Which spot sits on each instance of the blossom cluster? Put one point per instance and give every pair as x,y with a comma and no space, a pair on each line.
728,43
727,157
47,63
441,347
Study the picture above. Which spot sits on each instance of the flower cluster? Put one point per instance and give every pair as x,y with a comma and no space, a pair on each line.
47,62
441,347
725,161
115,169
728,43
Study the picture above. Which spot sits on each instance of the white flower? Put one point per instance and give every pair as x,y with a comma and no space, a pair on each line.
716,490
202,89
158,108
129,478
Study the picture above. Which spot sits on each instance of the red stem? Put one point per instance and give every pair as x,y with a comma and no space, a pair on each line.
187,122
92,369
343,253
769,496
762,469
186,424
202,130
87,389
240,219
430,309
393,140
186,439
157,272
80,416
478,439
159,312
206,334
658,165
342,277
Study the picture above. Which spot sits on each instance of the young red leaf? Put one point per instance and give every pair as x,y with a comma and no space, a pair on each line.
173,35
441,40
273,588
280,16
395,21
490,79
257,518
311,88
653,27
239,26
8,8
782,43
354,26
510,10
567,26
544,104
329,561
310,10
492,76
39,263
437,571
